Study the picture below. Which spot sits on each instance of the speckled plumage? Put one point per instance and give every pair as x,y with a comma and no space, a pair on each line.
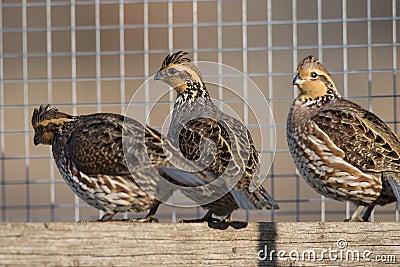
342,150
113,162
199,126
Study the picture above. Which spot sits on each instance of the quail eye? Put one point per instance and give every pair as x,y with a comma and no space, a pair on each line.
314,75
40,128
172,71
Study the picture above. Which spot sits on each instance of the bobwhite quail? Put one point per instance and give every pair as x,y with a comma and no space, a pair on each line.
114,163
342,150
198,125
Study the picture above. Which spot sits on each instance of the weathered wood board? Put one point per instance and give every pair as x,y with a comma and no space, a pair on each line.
239,244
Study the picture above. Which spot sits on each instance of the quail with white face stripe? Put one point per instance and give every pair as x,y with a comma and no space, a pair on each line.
342,150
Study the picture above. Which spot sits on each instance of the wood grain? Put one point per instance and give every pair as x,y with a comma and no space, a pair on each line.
238,244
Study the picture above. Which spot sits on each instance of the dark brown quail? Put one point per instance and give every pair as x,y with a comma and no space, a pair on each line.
206,135
114,163
342,150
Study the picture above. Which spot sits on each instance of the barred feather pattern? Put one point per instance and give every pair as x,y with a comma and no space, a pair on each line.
89,154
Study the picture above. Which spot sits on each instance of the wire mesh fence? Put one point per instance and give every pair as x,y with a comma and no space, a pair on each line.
91,56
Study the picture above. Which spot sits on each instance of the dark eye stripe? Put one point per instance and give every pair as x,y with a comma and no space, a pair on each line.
323,78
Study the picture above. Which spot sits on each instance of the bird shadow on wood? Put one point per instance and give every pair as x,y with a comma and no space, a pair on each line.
266,251
225,225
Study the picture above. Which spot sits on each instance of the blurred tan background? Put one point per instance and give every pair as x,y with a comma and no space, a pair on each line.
91,56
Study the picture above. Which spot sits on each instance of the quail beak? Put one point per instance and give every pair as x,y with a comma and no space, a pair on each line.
297,80
36,140
159,75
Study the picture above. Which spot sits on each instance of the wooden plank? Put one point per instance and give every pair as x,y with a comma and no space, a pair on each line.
142,244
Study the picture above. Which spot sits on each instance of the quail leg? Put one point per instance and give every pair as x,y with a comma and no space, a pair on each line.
228,219
206,218
356,216
395,188
150,217
367,213
106,217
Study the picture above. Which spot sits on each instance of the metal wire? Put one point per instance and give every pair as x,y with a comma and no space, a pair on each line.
26,100
74,83
200,15
2,127
345,68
